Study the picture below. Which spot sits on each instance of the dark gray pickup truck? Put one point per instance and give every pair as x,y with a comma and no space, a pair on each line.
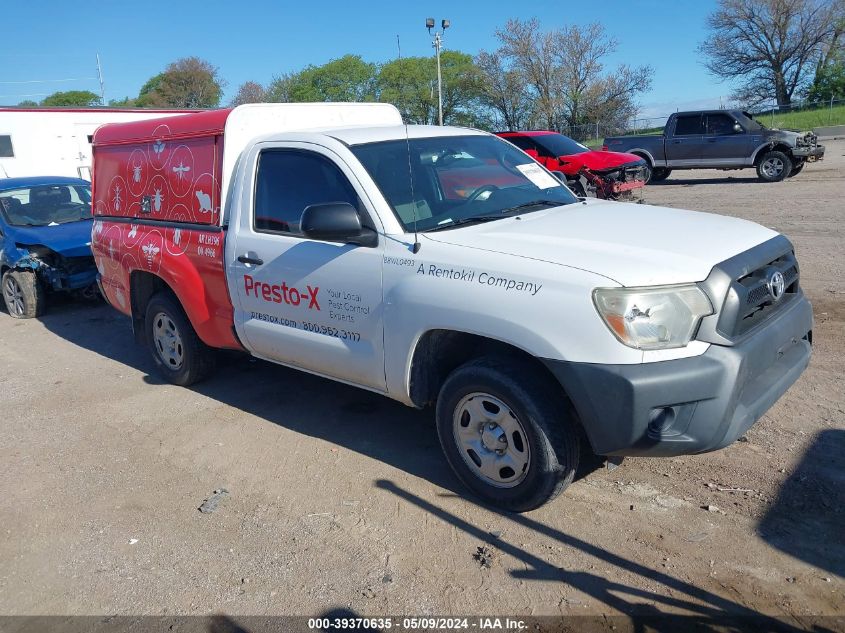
720,139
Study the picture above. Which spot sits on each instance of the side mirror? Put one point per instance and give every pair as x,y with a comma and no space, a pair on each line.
738,128
335,222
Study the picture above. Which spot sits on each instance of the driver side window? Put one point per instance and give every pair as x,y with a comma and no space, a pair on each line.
290,180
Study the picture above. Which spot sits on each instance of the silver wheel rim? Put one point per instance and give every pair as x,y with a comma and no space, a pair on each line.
491,440
772,167
13,295
168,342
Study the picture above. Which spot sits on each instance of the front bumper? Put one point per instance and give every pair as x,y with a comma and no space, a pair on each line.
810,154
690,405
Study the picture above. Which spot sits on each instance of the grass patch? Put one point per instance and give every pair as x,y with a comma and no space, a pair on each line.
804,119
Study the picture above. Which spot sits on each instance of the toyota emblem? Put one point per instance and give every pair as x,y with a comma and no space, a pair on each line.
776,285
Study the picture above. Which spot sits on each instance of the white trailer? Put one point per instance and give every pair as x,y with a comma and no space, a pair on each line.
57,141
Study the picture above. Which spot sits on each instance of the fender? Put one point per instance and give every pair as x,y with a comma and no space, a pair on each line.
644,153
187,258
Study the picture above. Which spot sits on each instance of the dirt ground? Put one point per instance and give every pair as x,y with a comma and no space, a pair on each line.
339,498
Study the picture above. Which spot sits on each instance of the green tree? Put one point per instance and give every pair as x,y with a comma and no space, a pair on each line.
27,103
189,82
829,82
72,98
411,85
348,78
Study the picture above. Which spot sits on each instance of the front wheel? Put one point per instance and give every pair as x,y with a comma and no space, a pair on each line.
23,295
506,434
796,169
179,354
773,166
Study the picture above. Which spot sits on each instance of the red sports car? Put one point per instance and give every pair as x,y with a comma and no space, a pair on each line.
609,175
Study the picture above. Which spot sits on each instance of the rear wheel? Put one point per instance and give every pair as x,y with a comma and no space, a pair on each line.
660,173
512,441
180,356
23,295
773,166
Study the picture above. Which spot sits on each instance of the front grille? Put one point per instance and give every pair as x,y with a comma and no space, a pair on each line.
750,301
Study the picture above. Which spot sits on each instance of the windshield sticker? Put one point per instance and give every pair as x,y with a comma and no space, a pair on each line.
538,176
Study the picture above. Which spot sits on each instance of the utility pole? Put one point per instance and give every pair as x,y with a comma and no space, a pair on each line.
437,43
102,84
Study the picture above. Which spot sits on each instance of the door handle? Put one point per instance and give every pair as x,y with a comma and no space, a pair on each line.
712,140
676,142
246,259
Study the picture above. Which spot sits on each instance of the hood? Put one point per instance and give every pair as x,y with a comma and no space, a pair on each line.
632,244
601,161
72,239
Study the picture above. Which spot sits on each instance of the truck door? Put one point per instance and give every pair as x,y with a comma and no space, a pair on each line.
683,147
722,145
312,304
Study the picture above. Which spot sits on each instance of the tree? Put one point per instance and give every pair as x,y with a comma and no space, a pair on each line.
189,82
72,98
27,103
829,82
249,92
503,93
771,46
556,79
349,78
411,85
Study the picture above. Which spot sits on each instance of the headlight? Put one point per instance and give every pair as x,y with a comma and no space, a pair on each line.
652,318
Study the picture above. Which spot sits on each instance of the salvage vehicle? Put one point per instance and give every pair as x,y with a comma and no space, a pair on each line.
320,237
45,242
607,175
721,139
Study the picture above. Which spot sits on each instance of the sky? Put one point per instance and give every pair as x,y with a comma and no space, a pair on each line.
258,40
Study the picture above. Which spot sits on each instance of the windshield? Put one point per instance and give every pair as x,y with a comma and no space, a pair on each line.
449,180
559,145
44,205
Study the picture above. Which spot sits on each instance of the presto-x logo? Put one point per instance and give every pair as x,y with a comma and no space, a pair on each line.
281,293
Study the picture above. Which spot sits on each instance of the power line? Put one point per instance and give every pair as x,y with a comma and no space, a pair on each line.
46,81
35,94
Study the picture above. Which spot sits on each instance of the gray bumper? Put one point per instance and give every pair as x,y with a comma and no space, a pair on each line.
690,405
809,153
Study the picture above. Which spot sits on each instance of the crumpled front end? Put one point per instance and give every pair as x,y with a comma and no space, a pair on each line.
807,147
617,183
57,272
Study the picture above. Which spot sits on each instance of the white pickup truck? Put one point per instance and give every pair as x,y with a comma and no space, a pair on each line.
442,266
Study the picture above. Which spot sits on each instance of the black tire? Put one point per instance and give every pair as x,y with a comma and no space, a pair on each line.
23,295
773,166
542,415
648,171
796,169
660,173
188,360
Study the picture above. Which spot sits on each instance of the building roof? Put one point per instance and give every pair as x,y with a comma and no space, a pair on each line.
38,181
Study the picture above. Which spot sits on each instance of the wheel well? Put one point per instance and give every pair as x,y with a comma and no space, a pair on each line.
439,352
779,147
142,287
644,156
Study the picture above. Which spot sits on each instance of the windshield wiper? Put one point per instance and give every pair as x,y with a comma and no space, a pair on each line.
475,219
535,203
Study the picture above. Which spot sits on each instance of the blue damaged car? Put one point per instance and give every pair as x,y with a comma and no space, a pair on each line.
45,242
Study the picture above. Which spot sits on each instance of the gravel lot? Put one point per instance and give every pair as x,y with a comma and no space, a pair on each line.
341,499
